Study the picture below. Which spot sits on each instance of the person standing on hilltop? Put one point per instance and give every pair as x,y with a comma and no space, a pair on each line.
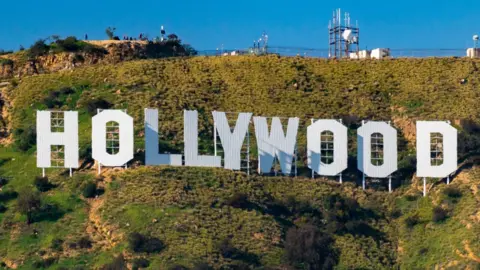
86,37
140,37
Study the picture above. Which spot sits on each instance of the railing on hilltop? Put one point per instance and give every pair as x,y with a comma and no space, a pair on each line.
323,53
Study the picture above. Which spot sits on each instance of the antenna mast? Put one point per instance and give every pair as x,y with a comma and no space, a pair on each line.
343,38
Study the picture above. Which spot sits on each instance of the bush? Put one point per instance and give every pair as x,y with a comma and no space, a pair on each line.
44,263
141,243
6,62
89,190
70,44
238,200
95,104
439,214
28,203
306,245
25,139
411,221
56,244
3,52
411,197
452,192
84,242
117,264
178,267
202,266
42,184
140,263
39,48
3,181
3,208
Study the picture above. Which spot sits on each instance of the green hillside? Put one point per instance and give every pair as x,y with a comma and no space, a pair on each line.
199,218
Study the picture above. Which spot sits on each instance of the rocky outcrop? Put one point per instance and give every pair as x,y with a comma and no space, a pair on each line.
114,51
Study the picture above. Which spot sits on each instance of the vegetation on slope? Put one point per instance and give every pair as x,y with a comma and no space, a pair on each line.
172,217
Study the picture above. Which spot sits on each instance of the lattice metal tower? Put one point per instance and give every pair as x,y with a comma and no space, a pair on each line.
343,37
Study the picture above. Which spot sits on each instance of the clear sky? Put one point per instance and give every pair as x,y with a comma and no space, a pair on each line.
206,24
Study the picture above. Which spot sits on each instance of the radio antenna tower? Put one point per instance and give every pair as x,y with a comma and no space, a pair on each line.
162,34
265,42
343,37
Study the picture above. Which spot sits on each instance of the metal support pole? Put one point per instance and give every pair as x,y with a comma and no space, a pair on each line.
215,138
448,180
424,186
363,181
70,172
295,164
43,172
99,168
341,178
390,184
248,151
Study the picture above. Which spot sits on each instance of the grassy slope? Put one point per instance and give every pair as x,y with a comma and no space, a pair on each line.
267,86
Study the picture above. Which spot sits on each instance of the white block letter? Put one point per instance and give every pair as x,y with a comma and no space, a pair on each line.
152,157
99,137
232,142
444,145
190,128
315,149
46,138
277,144
377,149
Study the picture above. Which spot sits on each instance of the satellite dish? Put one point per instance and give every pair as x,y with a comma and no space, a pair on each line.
347,35
475,37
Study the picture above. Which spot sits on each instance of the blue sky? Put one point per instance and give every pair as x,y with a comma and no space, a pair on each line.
207,24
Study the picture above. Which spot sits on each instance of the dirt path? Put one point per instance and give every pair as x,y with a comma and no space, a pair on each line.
102,234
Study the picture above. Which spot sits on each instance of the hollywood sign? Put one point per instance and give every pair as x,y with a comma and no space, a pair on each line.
272,142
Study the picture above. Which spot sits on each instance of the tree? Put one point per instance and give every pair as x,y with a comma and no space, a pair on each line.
39,48
189,50
308,246
110,31
28,203
172,37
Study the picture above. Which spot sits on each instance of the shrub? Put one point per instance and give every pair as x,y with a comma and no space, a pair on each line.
39,48
3,181
3,52
452,192
56,244
95,104
89,190
6,62
141,243
238,200
140,263
3,208
411,221
308,246
439,214
44,263
226,249
28,203
84,242
25,139
202,266
117,264
70,44
42,184
411,197
178,267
